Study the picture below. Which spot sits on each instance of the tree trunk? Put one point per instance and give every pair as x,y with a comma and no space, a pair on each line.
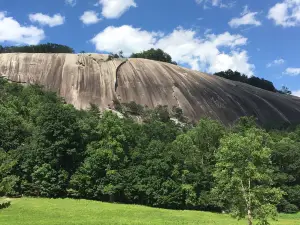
249,217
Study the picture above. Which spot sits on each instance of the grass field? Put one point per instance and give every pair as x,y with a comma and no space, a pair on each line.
31,211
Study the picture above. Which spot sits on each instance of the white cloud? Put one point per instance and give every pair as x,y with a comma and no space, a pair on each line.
184,46
276,62
286,13
296,93
112,9
71,2
236,61
292,71
247,18
43,19
90,17
215,3
12,31
226,39
125,38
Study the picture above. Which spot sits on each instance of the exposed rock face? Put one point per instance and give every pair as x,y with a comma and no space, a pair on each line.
92,78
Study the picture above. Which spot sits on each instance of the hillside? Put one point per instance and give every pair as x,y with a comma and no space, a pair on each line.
92,78
30,211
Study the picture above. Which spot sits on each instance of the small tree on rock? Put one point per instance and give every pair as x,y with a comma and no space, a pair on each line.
154,54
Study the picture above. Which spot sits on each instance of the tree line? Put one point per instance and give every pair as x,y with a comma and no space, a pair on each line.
41,48
253,81
50,149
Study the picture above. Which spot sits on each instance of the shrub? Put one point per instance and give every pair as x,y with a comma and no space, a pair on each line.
290,208
286,207
4,204
134,108
154,54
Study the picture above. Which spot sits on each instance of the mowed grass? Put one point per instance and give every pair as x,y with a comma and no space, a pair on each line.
32,211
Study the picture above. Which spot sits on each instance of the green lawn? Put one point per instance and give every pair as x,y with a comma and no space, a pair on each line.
31,211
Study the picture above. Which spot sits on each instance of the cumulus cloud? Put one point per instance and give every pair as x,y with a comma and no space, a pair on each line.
125,38
71,2
296,93
215,3
12,31
112,9
90,17
247,18
286,13
276,62
292,71
43,19
183,45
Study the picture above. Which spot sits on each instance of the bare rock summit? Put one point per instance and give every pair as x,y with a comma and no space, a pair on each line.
94,78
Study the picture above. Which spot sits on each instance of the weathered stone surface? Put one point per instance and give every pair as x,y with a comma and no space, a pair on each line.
92,78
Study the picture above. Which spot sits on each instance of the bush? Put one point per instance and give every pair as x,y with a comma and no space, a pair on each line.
134,108
4,205
286,207
290,208
154,54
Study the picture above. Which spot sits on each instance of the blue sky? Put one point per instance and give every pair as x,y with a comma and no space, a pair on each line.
258,38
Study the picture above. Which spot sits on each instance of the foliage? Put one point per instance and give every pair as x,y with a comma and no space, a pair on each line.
254,81
291,208
4,204
116,55
287,207
285,90
50,149
154,54
41,48
244,176
8,181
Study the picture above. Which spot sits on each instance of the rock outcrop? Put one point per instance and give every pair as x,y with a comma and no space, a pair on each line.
93,78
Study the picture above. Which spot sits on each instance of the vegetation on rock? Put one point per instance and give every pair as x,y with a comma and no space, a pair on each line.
154,54
41,48
254,81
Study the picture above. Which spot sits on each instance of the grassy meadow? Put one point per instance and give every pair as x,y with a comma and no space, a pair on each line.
32,211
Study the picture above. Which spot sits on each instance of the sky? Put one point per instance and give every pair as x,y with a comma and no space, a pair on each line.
255,37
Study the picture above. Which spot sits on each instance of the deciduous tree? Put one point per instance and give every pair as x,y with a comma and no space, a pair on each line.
244,176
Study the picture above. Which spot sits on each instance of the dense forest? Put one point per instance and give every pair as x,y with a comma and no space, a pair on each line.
41,48
50,149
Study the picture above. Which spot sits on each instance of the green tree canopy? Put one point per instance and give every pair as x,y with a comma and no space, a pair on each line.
41,48
50,149
254,81
244,176
154,54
